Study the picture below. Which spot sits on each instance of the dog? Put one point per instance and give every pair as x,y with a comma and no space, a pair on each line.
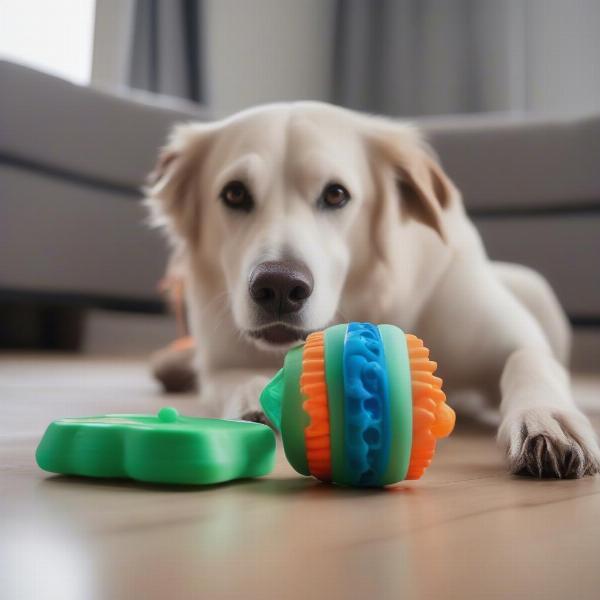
290,217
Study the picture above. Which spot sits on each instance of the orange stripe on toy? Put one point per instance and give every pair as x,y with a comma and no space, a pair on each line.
313,386
432,417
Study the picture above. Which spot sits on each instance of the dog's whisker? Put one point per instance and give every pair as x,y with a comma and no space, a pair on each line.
220,316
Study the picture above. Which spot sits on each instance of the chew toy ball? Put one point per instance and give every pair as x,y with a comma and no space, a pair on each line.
359,405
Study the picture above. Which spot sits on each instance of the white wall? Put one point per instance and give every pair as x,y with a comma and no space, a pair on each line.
55,37
113,27
267,50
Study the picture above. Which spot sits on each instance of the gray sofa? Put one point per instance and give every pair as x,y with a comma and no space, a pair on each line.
72,163
73,159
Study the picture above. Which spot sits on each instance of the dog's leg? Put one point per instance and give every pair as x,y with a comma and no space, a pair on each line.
535,293
482,333
174,368
235,393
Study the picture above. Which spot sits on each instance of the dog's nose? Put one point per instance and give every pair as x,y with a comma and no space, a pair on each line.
280,287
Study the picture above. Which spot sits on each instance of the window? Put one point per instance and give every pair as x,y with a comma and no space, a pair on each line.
55,36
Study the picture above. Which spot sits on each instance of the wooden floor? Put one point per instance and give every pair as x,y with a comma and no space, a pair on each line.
466,530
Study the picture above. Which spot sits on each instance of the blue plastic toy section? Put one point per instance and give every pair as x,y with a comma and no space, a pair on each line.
366,403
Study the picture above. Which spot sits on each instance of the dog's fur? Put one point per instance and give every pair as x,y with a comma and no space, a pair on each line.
401,251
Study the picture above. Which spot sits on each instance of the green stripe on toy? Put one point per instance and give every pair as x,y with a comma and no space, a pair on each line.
293,418
399,379
334,349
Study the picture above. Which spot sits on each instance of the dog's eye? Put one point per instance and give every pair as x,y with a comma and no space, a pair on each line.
235,195
334,196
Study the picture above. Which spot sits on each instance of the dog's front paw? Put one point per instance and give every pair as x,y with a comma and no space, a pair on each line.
256,416
546,442
245,401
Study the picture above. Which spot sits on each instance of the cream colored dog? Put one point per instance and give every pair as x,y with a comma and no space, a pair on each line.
291,217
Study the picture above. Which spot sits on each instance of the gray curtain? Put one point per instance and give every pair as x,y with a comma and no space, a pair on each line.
166,53
419,57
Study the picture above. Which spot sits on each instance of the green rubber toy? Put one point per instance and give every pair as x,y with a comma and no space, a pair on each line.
166,448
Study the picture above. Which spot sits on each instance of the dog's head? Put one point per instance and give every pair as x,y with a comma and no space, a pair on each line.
285,204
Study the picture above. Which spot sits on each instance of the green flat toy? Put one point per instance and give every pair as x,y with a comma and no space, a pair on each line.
167,448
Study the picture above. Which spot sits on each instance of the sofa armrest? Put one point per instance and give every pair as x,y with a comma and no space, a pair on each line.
78,130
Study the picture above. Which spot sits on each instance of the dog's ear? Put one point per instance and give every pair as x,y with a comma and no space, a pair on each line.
172,191
426,192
